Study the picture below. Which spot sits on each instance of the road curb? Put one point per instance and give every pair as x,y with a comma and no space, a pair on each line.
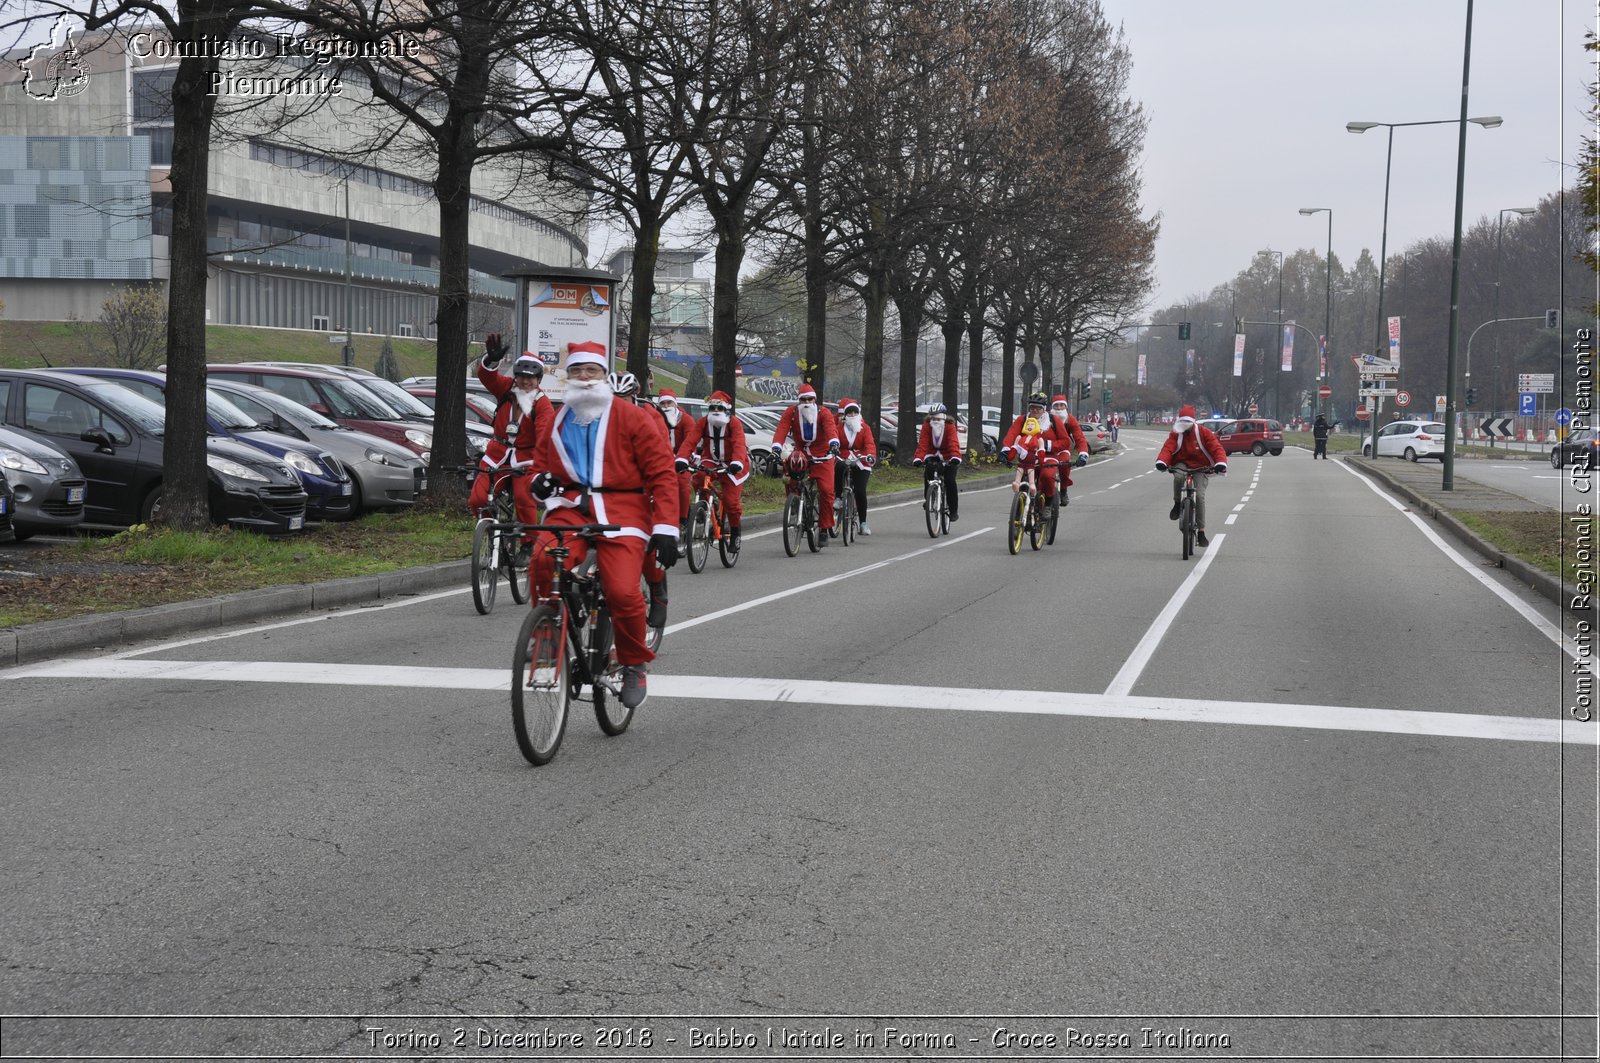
1536,579
114,631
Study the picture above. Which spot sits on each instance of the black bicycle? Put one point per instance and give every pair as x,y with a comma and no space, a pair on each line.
494,547
565,646
935,507
1188,525
802,506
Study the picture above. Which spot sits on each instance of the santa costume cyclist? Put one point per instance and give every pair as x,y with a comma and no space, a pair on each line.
938,438
605,460
1191,447
858,444
719,437
521,418
1068,437
815,432
1040,448
678,427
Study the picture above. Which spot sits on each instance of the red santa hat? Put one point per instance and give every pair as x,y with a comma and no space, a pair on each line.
807,392
845,404
666,393
1058,398
587,352
1186,411
720,396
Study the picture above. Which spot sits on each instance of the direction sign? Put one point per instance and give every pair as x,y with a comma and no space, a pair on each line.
1496,426
1563,416
1371,391
1537,383
1403,399
1527,404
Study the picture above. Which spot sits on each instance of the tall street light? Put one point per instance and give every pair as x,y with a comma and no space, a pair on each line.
1278,376
1488,122
1494,379
1327,289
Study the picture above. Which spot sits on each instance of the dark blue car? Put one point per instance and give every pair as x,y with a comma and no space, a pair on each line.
327,483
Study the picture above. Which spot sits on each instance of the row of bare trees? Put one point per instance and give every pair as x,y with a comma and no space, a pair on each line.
971,163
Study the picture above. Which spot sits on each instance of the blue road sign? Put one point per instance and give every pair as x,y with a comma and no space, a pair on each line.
1563,416
1527,404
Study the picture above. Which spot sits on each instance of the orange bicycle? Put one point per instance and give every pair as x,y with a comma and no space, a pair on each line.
708,520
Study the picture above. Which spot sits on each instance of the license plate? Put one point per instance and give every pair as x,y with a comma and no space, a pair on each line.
345,490
423,486
296,523
74,494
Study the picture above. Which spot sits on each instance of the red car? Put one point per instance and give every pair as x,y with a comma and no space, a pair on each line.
1254,434
335,395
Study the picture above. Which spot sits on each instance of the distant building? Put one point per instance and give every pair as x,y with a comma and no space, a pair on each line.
85,205
680,323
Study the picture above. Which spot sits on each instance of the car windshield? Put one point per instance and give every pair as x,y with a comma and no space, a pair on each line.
398,397
132,405
290,410
350,399
227,414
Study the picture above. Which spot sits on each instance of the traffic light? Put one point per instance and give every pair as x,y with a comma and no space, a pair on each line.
1183,330
1083,389
1105,397
1552,318
1472,397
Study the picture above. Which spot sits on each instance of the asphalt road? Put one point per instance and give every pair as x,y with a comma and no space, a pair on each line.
1311,794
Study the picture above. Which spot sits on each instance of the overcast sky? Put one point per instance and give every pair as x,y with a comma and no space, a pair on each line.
1248,101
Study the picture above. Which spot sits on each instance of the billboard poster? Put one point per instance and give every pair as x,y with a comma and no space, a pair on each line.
1188,360
1238,354
1141,370
1288,346
1322,357
562,310
1394,340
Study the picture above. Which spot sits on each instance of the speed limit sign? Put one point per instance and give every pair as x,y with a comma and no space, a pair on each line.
1402,398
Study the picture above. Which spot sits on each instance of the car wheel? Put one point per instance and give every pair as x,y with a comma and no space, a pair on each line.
1411,454
1258,449
357,506
1366,450
1555,459
150,512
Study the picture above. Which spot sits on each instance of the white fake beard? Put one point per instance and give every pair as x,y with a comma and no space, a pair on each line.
808,413
1182,425
525,401
717,420
853,422
672,416
588,399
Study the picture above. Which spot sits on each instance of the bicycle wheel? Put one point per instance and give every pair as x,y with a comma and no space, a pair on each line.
518,576
485,565
791,525
847,519
609,711
725,544
1035,522
1051,519
699,538
811,518
540,695
1186,525
652,635
1019,514
933,505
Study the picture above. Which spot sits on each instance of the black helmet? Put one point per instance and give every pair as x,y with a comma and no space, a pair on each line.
1038,398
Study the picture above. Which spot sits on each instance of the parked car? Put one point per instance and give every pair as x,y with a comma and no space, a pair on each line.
758,428
1254,434
1098,436
47,486
115,436
1580,448
387,475
336,396
328,486
480,404
1216,424
405,403
1408,439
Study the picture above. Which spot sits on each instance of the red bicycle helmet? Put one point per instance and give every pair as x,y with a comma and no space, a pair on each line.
798,463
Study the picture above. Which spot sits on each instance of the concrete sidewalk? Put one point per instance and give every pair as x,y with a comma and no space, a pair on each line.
1422,484
102,632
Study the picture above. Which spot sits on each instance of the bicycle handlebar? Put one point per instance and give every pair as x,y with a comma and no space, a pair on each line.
587,531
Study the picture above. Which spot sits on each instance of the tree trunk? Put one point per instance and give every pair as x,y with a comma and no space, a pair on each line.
905,437
184,491
646,252
953,328
1008,374
816,303
1047,373
453,188
725,302
975,383
875,296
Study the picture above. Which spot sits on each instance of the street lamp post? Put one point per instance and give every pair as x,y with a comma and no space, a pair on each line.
1494,377
1277,408
1327,290
1488,122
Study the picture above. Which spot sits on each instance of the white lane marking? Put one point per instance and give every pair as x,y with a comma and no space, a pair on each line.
1231,518
763,600
868,695
892,505
1131,669
1238,507
1540,624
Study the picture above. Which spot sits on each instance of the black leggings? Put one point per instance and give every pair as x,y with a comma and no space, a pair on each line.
858,484
947,472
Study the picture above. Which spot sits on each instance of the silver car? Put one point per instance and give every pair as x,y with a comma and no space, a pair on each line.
387,475
47,486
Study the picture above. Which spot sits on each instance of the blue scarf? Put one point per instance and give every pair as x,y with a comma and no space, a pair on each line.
578,439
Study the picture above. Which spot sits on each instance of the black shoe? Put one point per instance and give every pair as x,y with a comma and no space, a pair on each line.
658,606
634,686
1172,514
733,540
822,540
524,555
954,518
1200,538
833,532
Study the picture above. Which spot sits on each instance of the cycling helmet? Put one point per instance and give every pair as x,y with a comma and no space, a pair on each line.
798,463
1039,399
527,365
937,407
624,384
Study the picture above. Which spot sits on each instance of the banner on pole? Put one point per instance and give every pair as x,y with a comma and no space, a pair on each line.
1288,346
1238,354
1188,360
1394,340
1141,370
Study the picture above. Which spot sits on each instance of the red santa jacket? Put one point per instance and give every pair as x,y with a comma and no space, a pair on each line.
827,430
723,445
1049,440
1068,436
859,444
512,430
631,472
1196,448
948,447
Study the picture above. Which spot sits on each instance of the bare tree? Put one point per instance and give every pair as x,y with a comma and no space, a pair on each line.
131,329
